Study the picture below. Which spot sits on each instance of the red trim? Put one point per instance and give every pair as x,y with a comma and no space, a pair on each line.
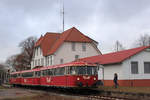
134,83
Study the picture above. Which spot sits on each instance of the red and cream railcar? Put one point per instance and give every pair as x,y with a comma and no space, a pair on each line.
74,74
15,78
31,77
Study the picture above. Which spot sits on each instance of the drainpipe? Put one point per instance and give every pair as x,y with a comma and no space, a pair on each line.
102,67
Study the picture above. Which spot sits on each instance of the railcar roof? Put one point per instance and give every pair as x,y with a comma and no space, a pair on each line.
76,63
37,69
16,72
32,70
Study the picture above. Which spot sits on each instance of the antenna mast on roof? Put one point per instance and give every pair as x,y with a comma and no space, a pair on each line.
63,15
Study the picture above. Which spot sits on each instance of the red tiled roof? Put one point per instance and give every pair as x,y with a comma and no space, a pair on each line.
115,57
52,41
39,41
71,35
47,41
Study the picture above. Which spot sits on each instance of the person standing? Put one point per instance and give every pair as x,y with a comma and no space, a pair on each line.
116,80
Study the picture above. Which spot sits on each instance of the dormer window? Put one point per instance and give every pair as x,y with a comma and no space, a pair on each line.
83,46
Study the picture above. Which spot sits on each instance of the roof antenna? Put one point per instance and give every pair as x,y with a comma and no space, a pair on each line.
63,15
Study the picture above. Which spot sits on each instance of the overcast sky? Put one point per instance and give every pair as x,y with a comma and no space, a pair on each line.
103,20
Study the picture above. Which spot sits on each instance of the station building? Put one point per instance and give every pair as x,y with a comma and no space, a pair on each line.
59,48
132,66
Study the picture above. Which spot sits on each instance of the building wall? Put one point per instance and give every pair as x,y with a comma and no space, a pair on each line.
109,71
125,78
65,52
37,57
142,57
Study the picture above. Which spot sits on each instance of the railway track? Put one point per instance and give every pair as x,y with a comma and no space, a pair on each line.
105,98
88,94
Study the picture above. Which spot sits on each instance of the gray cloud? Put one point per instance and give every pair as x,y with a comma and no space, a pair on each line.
104,20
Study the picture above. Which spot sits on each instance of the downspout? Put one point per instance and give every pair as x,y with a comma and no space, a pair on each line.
102,67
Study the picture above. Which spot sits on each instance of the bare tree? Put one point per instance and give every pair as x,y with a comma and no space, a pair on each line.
11,61
118,46
22,61
27,47
144,40
2,67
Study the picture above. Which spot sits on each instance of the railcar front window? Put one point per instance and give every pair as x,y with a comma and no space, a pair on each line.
86,70
95,70
89,70
81,70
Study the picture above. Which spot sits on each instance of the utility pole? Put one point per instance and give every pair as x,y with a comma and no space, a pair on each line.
63,15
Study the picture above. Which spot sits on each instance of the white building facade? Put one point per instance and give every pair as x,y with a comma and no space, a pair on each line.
132,70
68,50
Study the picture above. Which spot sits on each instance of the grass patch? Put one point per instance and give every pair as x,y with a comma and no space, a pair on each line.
126,89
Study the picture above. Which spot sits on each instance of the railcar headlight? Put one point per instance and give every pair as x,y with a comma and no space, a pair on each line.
78,78
94,78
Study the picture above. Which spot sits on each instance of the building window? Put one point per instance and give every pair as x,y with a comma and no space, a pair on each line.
50,60
47,61
37,51
134,67
35,62
83,46
42,61
38,62
61,61
76,57
73,46
147,67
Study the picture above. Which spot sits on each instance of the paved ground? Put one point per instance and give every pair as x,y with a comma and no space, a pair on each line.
16,93
27,94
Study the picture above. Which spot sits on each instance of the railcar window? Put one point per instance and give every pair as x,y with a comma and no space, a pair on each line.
27,74
54,72
50,72
14,75
57,70
84,70
44,72
37,74
72,70
89,70
67,70
95,70
18,75
61,71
